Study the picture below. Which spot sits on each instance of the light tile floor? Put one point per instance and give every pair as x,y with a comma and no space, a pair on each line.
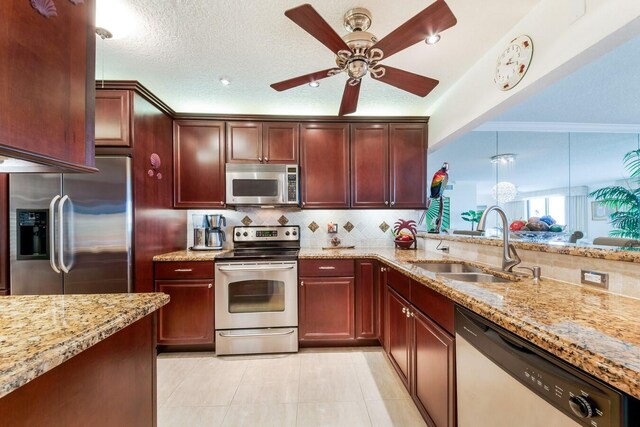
320,387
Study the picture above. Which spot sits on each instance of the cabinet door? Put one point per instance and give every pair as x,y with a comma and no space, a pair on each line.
324,164
366,309
188,317
397,329
408,165
198,164
244,142
370,166
326,306
113,118
280,142
433,373
47,82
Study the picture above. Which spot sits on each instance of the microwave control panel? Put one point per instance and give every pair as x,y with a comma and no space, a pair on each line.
292,183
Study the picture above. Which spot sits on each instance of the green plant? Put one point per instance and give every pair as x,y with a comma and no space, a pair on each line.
472,217
624,201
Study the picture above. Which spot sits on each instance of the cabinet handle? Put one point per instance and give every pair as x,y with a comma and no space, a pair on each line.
409,314
393,203
301,283
260,159
183,270
221,203
304,203
210,285
404,309
266,159
412,315
328,267
386,202
382,269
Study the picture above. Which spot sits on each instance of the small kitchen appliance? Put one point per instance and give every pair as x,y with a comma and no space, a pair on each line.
208,232
256,292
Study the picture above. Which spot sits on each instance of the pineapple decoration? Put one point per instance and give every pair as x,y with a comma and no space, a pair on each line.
405,234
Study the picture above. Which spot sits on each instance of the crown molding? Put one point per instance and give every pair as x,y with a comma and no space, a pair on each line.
561,127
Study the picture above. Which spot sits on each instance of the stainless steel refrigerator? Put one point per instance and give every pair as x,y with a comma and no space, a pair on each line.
71,233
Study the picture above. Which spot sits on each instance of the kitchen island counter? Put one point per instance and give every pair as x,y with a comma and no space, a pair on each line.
39,333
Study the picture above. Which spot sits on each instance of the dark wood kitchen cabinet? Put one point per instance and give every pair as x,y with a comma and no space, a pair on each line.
420,348
408,165
257,142
366,310
324,165
47,83
189,316
113,115
198,164
388,165
326,294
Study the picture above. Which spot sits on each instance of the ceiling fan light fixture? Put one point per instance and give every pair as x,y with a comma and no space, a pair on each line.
225,81
432,39
357,68
314,84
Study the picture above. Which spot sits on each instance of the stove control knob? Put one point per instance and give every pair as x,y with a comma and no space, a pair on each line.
245,234
295,233
581,406
237,234
286,233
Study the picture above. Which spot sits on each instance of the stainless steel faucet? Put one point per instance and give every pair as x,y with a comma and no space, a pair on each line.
510,257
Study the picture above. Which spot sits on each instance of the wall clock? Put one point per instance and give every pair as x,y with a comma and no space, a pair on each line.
513,62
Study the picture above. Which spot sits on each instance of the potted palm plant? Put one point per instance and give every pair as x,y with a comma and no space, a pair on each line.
625,202
471,216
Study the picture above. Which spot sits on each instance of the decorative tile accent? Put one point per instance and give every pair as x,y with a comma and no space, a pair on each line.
384,227
313,226
246,221
283,220
348,226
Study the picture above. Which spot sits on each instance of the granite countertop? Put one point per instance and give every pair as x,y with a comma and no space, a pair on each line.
189,255
596,331
40,332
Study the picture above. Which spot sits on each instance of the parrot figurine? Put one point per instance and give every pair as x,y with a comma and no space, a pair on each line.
439,181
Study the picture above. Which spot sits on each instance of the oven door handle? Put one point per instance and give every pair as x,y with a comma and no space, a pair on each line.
232,335
256,268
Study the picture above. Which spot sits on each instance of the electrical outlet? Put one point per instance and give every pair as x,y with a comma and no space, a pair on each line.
594,278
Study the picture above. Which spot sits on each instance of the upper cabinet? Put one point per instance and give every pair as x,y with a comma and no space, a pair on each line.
257,142
388,165
198,164
324,165
47,83
408,165
113,112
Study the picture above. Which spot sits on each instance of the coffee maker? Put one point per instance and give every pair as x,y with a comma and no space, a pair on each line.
208,233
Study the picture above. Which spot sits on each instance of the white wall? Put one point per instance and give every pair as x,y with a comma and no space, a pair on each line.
561,45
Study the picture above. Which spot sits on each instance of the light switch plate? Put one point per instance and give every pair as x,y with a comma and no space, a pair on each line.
594,278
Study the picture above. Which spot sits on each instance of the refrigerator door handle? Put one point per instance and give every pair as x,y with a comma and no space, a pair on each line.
52,234
63,267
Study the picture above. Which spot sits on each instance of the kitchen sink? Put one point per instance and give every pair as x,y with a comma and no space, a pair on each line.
474,277
443,267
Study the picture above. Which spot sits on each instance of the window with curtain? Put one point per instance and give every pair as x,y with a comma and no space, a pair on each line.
553,206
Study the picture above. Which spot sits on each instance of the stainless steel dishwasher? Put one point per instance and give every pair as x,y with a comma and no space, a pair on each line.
504,381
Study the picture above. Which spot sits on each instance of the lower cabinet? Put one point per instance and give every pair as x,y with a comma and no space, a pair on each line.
188,318
422,353
367,301
325,310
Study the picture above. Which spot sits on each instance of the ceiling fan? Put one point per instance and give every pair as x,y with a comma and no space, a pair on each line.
359,52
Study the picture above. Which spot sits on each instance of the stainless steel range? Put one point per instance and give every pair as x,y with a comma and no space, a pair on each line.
256,293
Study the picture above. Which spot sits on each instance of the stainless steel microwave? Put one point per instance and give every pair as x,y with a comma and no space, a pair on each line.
262,184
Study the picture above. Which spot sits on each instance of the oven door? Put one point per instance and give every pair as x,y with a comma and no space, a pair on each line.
255,188
256,295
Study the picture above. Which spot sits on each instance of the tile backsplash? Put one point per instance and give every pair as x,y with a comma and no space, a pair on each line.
370,228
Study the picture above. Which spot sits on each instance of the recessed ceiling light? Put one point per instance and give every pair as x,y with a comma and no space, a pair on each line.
314,84
432,39
225,81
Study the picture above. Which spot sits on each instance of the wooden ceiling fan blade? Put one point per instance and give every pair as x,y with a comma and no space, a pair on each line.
432,20
350,96
311,21
298,81
410,82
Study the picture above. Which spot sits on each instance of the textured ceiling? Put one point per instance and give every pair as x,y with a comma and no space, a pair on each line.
179,50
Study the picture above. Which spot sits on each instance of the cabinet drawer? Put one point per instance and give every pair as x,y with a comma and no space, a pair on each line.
399,282
184,270
436,306
326,267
